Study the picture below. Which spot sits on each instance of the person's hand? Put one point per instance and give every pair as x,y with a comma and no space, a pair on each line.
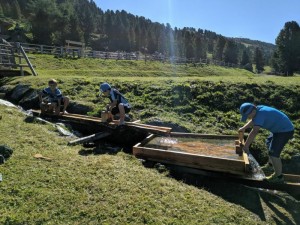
242,129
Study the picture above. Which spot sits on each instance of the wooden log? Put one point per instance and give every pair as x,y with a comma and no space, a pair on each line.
92,137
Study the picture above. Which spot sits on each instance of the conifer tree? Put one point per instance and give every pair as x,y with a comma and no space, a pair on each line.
287,57
259,60
230,52
219,48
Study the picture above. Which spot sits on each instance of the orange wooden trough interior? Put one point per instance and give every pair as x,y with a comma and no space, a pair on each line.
198,151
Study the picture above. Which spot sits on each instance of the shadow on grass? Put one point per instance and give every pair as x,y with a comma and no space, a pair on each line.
249,198
99,149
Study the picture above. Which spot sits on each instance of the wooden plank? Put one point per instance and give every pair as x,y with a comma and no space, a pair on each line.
167,129
246,160
12,64
15,55
147,139
191,160
92,137
213,136
292,178
149,129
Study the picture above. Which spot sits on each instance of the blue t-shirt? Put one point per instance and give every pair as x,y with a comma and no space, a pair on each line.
114,94
52,96
272,119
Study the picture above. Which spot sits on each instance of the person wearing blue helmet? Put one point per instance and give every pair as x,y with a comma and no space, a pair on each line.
275,121
118,103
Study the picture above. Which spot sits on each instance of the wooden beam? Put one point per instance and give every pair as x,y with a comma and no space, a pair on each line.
16,55
213,136
12,64
246,160
27,60
92,137
191,160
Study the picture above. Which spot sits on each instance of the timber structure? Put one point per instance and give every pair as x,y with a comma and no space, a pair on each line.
12,56
216,156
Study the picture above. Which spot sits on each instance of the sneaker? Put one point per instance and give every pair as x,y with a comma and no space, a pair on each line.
275,179
268,169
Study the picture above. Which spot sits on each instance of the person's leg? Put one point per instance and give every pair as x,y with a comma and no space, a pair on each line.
268,167
43,108
277,165
276,147
66,101
56,108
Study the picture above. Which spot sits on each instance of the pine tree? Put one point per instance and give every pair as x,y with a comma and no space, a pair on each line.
219,48
230,52
245,62
259,60
288,49
15,10
1,10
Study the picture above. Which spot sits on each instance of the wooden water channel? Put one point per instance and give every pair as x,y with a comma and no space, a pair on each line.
218,156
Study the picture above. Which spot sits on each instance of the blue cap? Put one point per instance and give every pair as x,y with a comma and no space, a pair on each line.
245,110
104,87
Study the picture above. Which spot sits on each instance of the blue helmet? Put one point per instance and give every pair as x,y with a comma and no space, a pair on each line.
245,109
104,87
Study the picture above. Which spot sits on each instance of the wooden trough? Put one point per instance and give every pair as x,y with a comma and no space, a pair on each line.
199,151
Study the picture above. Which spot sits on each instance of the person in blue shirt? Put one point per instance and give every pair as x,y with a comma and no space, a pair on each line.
275,121
118,103
51,99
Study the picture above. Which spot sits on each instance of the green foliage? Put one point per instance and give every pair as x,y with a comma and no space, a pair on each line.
93,189
287,54
259,60
52,22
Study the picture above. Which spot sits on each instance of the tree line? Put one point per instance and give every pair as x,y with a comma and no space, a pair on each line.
54,21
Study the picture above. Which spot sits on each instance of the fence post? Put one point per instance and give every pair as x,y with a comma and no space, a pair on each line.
26,58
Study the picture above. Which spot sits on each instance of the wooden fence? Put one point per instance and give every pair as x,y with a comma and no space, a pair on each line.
12,55
66,51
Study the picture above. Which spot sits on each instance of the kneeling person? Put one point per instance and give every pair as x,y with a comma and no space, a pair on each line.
51,99
118,103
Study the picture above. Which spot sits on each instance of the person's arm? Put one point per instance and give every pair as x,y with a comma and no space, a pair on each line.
246,126
251,138
112,104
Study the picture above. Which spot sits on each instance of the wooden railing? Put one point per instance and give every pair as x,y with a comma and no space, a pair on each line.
13,55
61,51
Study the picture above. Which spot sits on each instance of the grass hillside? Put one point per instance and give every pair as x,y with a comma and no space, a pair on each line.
80,187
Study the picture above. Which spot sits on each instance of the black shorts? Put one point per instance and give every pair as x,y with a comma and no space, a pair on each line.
115,110
276,142
57,101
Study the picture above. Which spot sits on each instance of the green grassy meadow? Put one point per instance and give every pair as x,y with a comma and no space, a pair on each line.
81,187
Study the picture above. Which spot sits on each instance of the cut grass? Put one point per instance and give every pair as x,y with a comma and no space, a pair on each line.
117,188
112,189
